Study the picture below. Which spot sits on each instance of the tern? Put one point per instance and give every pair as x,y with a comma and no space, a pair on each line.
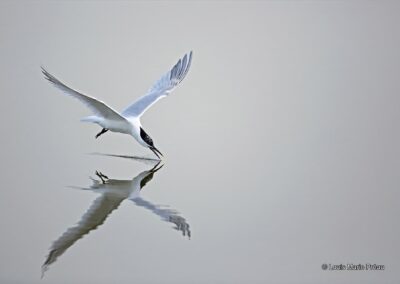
128,121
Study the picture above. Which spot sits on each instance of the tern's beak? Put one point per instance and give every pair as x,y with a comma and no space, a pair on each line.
156,151
156,167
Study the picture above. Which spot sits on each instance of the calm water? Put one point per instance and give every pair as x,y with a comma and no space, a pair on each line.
281,144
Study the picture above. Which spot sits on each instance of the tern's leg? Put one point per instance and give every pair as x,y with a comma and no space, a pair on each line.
104,130
102,177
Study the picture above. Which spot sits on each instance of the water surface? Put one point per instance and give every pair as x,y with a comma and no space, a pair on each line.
281,144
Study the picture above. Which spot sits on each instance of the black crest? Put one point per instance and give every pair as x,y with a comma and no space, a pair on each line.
146,138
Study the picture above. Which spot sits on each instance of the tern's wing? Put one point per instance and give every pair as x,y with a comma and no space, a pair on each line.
94,217
98,107
166,214
161,88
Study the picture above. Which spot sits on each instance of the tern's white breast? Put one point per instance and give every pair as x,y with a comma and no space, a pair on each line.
117,126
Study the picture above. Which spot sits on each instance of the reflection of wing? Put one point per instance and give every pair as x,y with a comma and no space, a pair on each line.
94,217
167,215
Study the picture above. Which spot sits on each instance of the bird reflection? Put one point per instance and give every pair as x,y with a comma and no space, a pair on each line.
113,193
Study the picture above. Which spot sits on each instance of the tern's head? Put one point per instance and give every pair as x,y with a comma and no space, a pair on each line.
149,142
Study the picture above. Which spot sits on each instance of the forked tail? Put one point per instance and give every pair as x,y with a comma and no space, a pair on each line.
91,118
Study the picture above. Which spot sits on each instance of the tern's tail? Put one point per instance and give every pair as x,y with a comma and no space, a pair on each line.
91,118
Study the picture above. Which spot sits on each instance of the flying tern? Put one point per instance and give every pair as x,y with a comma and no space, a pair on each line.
128,121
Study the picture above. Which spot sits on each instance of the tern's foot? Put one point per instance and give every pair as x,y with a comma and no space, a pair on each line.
103,177
104,130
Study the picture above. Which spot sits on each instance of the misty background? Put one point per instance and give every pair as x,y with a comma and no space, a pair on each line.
281,145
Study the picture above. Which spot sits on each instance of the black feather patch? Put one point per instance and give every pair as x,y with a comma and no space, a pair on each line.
146,179
146,138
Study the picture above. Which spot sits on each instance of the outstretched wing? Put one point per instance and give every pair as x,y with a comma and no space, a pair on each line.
98,107
166,214
161,88
93,218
